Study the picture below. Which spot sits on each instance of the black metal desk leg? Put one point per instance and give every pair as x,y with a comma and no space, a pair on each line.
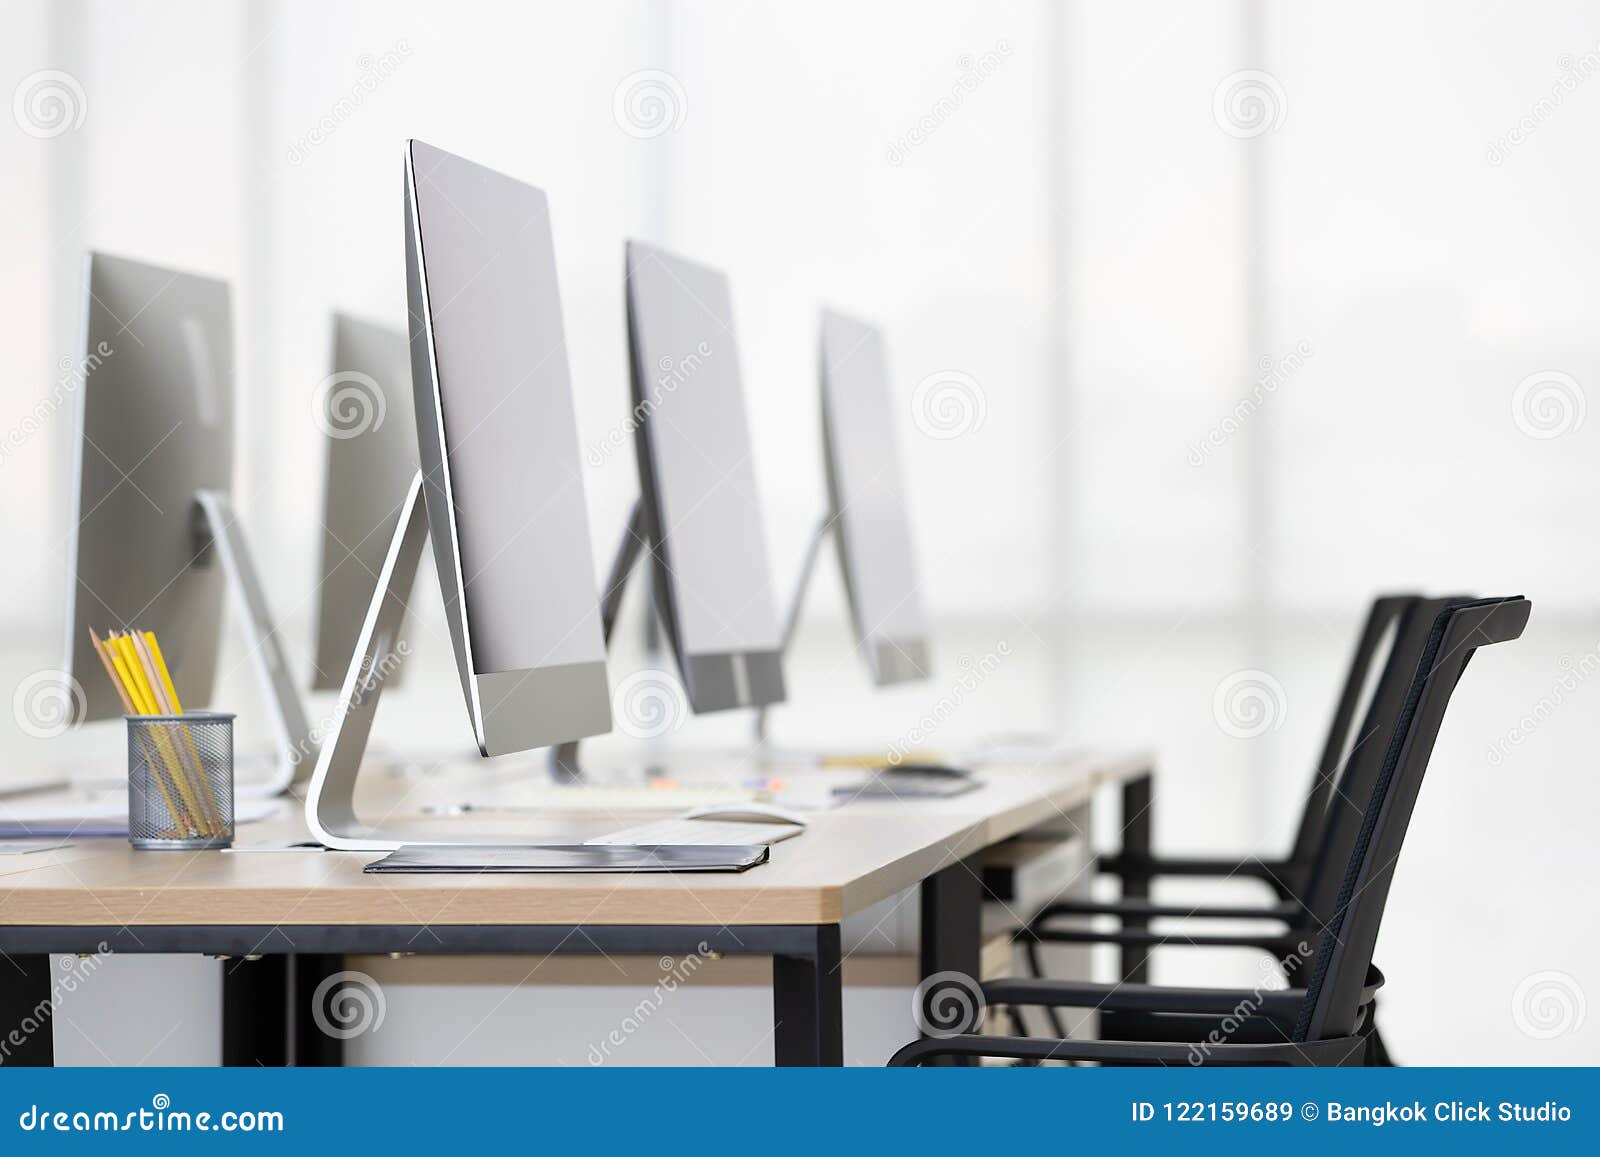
808,1004
313,987
27,1012
952,920
951,950
1136,828
255,1011
269,1011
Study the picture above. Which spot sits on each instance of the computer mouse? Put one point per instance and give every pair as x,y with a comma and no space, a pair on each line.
934,769
746,811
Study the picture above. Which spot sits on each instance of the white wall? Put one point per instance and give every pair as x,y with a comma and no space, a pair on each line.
1086,236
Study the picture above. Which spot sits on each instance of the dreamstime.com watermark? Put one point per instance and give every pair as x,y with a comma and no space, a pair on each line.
49,103
973,674
74,970
1236,1017
674,972
1570,73
1248,103
971,72
70,377
160,1117
348,1004
648,704
1548,1004
371,72
48,703
1269,377
670,375
1549,403
948,403
348,404
948,1004
1574,674
649,103
1249,703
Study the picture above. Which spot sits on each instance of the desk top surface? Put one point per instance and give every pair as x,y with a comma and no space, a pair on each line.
849,858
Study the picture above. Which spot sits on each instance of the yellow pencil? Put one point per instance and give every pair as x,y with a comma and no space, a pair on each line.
144,697
161,667
120,662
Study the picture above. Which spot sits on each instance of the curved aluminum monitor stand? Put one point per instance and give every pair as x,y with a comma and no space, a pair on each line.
216,520
330,804
564,765
907,665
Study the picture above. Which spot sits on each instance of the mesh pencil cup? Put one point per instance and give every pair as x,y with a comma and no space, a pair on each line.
180,781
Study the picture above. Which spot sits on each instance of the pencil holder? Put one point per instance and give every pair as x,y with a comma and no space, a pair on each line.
180,781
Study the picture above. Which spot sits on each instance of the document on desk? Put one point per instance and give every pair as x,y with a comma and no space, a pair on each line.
106,816
466,860
697,833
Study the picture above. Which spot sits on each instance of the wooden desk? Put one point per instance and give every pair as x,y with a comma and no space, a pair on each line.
303,911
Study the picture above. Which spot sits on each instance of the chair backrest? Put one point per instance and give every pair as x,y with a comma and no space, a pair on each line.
1322,876
1374,646
1455,630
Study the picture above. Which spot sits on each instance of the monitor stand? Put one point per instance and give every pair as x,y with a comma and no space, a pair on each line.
791,621
216,523
330,803
564,764
636,539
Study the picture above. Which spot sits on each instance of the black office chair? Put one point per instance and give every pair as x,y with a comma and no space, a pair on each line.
1286,876
1289,877
1328,1021
1306,910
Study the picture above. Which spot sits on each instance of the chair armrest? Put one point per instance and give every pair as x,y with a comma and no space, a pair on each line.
1254,868
1281,1004
1338,1051
1286,910
1145,938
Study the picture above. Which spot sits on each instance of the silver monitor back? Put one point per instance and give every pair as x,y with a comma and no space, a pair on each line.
364,408
867,498
698,484
155,425
498,447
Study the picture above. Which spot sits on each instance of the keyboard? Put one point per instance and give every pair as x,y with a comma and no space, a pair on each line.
587,797
698,833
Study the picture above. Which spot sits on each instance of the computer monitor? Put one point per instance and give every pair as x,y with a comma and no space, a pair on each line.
155,538
867,503
155,425
364,409
500,491
501,465
698,485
